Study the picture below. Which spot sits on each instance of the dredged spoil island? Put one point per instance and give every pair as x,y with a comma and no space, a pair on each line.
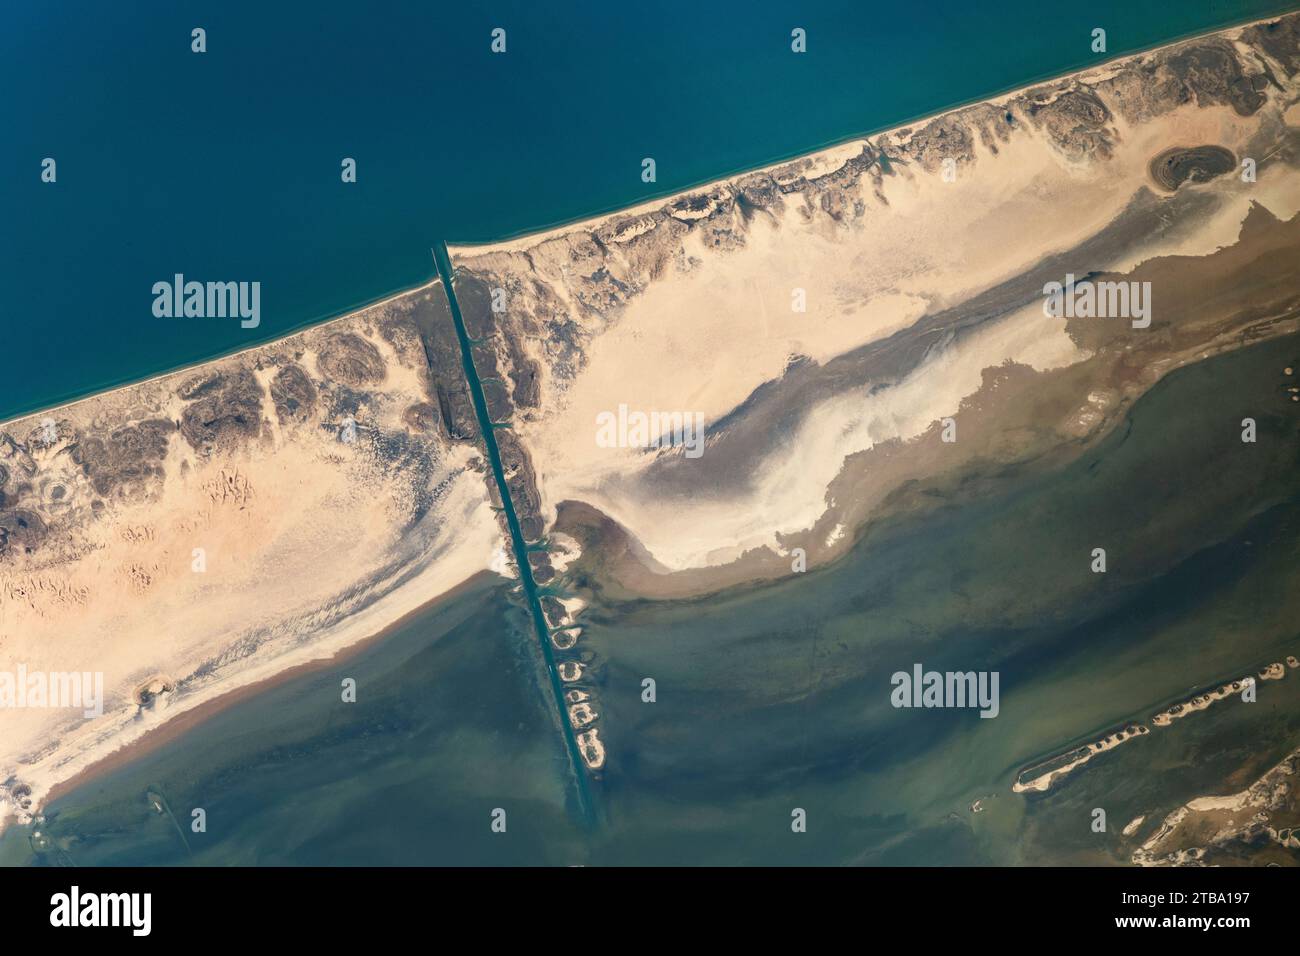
829,320
876,314
1043,775
825,316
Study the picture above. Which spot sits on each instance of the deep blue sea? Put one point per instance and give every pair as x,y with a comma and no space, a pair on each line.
225,165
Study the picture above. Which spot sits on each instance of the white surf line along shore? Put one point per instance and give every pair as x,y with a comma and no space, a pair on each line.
525,239
725,319
200,363
319,548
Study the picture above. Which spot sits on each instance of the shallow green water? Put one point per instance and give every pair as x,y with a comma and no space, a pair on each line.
778,698
450,723
528,587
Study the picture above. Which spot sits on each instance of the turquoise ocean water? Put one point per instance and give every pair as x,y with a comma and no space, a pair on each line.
226,165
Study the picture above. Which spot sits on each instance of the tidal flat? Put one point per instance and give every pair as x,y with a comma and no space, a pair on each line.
1008,392
777,697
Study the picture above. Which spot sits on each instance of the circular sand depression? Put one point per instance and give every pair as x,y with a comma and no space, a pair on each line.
1199,164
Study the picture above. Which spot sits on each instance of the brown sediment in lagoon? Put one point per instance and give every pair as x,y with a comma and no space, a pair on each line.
256,512
1055,177
175,727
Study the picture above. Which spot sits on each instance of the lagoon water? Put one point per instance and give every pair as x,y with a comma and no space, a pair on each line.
226,165
776,698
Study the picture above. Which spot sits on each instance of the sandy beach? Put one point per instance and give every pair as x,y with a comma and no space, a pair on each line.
189,714
848,325
202,532
823,316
